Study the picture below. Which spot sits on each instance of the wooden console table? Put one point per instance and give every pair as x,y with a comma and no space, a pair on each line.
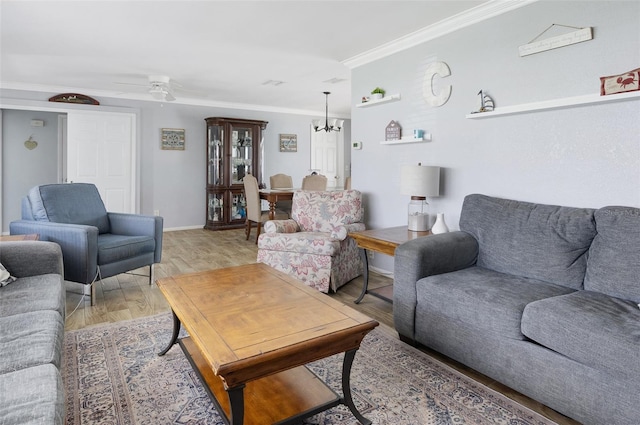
384,241
13,238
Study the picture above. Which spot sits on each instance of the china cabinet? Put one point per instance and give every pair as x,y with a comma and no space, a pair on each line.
233,150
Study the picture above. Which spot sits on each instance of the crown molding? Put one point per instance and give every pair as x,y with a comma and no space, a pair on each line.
464,19
145,97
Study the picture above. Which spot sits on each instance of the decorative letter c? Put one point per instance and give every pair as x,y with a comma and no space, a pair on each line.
441,69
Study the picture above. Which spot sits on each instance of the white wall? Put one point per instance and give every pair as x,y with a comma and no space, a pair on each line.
173,182
580,156
24,168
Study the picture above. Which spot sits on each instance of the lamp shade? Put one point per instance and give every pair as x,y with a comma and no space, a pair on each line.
420,180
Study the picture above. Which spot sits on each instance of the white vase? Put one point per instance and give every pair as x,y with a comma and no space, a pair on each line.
439,226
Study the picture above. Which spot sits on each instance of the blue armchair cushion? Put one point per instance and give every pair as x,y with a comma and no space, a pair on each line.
76,203
113,248
544,242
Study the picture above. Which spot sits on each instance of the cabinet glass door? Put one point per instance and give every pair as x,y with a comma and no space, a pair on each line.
238,207
216,154
241,153
215,207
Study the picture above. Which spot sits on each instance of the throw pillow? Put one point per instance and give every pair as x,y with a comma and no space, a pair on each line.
5,276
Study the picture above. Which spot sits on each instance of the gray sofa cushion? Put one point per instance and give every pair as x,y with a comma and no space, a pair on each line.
589,327
614,257
30,339
544,242
76,203
483,298
114,248
38,403
33,293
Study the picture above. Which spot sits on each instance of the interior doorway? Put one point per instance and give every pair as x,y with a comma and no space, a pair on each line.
15,181
327,156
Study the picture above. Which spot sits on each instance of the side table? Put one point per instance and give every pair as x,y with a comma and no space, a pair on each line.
13,238
384,241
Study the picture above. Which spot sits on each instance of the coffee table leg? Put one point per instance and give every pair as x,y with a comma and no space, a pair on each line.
365,274
346,386
174,336
236,400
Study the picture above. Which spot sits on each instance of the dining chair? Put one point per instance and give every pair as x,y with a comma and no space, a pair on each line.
314,182
254,206
282,181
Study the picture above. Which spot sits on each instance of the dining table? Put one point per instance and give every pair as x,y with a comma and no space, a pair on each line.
272,196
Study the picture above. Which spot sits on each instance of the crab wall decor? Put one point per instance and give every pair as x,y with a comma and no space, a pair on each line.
621,83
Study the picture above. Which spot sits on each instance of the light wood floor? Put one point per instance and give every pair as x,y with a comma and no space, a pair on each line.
128,296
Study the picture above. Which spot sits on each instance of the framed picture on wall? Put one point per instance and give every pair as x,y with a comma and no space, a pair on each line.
172,139
288,143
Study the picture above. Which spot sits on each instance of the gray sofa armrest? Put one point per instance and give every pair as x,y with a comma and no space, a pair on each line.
31,258
79,245
138,225
422,257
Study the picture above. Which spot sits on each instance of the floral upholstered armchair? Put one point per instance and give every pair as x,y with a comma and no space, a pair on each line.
314,244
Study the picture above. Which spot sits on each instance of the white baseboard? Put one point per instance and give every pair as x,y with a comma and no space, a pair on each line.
385,273
175,229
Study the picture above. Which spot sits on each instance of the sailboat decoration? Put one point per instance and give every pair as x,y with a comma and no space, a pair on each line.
486,103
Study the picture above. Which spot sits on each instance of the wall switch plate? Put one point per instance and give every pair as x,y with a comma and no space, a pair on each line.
156,212
356,145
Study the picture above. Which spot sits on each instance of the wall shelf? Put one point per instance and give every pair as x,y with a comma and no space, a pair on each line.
386,99
404,140
556,104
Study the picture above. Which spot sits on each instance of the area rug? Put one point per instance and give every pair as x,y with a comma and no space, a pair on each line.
113,375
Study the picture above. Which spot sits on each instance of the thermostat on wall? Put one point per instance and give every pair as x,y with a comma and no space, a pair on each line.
37,123
356,145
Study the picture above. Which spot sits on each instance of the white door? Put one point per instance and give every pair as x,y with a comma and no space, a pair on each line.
101,150
327,156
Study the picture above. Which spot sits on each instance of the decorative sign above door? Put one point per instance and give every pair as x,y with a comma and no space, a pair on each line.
74,98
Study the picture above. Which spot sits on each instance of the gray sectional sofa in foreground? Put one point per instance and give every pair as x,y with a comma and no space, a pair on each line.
32,313
542,298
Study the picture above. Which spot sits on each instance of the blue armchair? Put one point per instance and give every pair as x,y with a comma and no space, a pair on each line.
95,244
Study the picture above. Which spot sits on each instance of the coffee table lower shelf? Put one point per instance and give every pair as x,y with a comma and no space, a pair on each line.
283,398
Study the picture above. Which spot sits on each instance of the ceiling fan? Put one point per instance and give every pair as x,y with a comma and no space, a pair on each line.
160,87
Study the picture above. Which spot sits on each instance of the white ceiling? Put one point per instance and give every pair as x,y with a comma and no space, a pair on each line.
220,52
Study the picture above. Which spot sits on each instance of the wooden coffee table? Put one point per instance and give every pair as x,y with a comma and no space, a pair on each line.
251,331
384,241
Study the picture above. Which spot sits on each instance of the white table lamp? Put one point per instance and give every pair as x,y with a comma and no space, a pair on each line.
419,181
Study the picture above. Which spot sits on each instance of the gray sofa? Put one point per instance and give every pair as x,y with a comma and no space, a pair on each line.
32,313
542,298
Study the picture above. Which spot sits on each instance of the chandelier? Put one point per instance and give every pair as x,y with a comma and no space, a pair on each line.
336,125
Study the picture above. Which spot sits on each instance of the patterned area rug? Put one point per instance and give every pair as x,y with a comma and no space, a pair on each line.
113,375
